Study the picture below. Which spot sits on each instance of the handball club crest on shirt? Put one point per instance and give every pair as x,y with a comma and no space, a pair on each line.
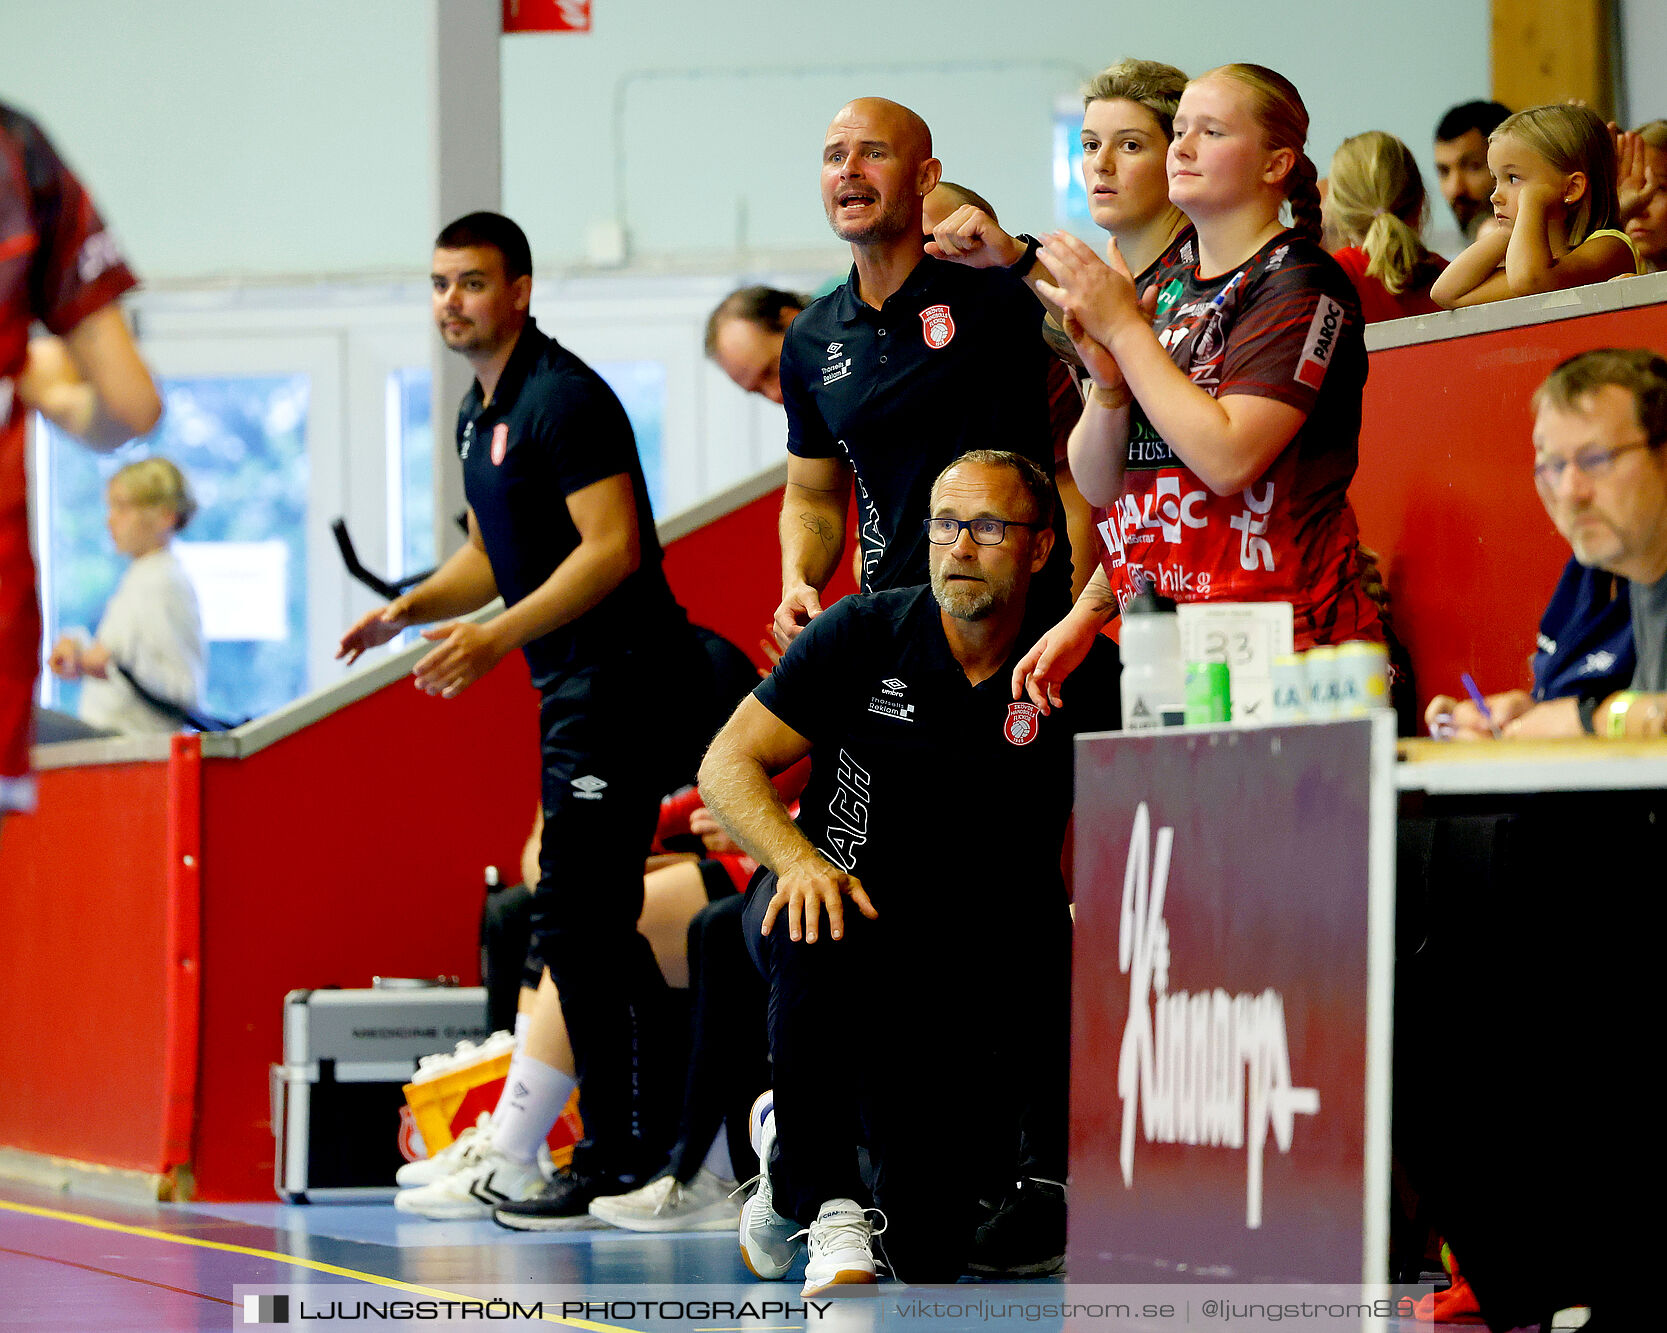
1022,723
937,326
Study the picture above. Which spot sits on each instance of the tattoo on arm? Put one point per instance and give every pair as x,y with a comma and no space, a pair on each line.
815,523
1098,594
1059,343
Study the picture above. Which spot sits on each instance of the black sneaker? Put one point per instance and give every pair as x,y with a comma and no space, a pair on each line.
564,1202
1025,1237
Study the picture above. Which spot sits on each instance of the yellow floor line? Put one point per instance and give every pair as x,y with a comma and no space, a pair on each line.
150,1233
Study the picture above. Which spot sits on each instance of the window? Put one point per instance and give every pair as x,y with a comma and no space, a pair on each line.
1070,199
242,441
641,386
410,428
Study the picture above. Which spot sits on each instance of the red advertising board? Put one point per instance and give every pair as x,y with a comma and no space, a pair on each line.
546,15
1229,1060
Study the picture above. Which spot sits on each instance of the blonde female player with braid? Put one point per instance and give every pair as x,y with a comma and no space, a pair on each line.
1223,431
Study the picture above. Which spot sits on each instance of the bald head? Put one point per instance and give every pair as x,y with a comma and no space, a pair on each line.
907,130
877,166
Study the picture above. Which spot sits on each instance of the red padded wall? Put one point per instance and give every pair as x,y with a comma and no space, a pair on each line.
83,888
353,848
728,573
1445,493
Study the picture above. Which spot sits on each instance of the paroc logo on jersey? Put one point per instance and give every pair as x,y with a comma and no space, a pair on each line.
937,327
1320,343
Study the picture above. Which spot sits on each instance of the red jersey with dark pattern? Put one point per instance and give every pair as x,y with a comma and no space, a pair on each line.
1067,382
1285,325
57,265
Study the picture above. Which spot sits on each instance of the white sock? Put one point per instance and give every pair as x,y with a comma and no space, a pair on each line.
717,1156
523,1021
534,1094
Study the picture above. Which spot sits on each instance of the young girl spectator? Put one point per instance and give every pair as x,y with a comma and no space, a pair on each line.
1376,209
151,626
1224,428
1554,207
1646,228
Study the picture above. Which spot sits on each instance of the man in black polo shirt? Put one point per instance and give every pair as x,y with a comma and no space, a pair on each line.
560,526
929,839
912,362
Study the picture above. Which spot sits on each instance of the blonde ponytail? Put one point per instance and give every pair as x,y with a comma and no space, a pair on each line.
1376,201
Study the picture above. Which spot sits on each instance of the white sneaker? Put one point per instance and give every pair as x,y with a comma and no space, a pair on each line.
482,1179
706,1203
841,1247
769,1242
426,1170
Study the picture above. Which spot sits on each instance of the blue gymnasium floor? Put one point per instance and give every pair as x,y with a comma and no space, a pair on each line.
69,1264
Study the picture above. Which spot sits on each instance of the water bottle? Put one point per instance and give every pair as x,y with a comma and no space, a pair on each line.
1154,684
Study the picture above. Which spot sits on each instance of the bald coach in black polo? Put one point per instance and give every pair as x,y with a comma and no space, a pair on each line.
897,373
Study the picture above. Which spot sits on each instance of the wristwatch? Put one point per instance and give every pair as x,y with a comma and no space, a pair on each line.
1618,706
1022,264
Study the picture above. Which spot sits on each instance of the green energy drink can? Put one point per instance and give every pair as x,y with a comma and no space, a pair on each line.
1209,692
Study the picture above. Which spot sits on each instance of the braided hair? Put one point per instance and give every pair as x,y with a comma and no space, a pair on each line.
1278,108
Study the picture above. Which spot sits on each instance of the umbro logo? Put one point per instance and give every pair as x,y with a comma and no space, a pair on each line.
893,687
834,350
521,1089
589,788
893,683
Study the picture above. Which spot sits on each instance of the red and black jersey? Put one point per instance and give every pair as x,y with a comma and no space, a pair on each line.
1285,325
57,265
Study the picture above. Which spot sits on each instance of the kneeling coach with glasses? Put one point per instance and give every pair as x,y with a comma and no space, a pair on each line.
913,924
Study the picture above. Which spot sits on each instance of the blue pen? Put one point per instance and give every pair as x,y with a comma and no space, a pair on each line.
1481,703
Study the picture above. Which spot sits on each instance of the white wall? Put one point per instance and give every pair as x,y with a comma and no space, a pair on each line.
257,137
290,136
734,148
1643,32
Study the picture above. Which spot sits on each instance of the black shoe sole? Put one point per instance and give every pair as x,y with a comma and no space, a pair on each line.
535,1222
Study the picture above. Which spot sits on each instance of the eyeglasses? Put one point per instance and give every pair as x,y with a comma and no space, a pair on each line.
985,531
1589,463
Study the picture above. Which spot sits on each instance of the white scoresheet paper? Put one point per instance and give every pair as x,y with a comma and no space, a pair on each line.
1245,635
